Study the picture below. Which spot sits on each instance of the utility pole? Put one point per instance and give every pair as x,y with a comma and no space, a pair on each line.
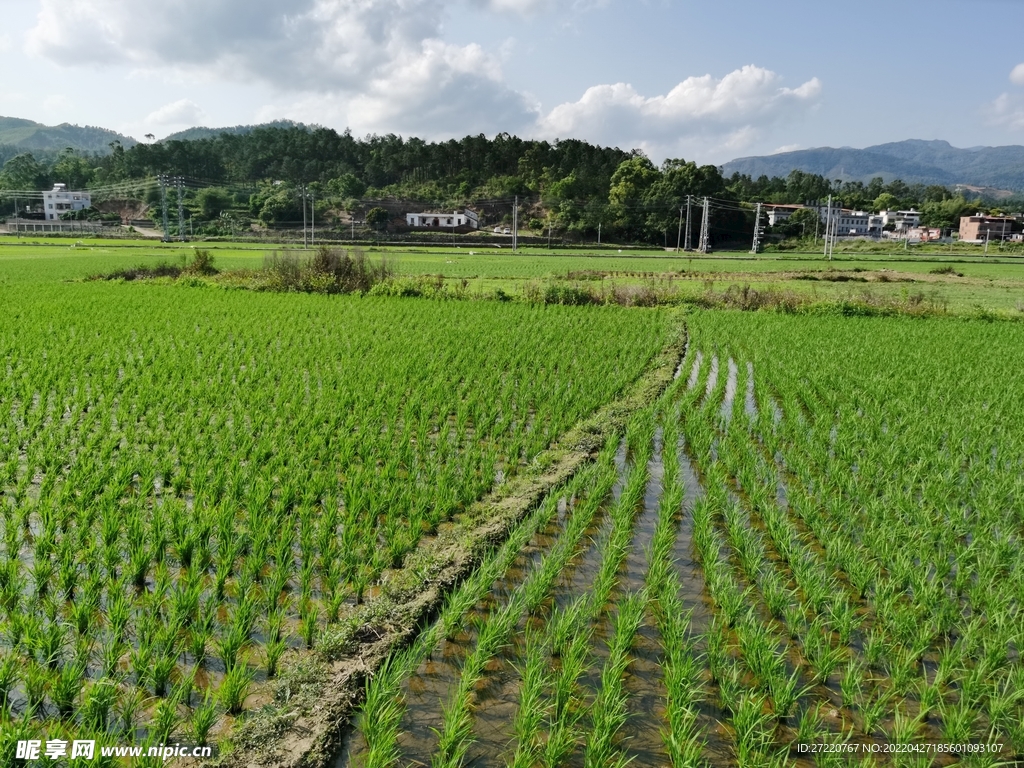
163,203
180,183
688,245
829,227
679,234
599,233
305,244
515,226
17,223
756,248
705,226
549,230
312,218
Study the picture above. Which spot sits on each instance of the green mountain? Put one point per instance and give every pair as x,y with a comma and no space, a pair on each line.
194,134
29,136
913,161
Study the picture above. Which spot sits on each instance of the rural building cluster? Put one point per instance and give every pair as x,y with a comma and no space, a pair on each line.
906,225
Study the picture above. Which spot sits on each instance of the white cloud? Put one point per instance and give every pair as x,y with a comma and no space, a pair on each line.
6,42
1008,111
440,91
532,7
382,66
180,112
1017,75
379,63
730,110
787,148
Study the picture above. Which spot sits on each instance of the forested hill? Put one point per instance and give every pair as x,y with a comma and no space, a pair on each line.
31,136
202,132
567,186
474,166
913,161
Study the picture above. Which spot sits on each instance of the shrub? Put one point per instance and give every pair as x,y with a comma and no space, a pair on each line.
330,270
202,264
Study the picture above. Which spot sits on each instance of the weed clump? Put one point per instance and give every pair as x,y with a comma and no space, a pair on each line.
330,270
140,272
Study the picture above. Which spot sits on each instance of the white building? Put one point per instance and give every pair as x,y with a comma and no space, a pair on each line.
901,219
780,213
443,220
852,223
59,200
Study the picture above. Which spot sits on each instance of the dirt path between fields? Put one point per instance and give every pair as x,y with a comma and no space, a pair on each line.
317,696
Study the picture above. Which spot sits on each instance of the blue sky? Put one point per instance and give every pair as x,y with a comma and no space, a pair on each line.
705,81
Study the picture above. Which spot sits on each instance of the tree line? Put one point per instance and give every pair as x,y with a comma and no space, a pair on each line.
569,186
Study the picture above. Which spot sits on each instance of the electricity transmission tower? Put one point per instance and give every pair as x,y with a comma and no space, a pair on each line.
688,245
164,181
705,234
179,182
756,247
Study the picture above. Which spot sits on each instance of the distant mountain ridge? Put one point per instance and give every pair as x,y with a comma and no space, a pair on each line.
914,161
202,132
29,136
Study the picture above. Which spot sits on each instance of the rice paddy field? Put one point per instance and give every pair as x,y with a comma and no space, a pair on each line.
807,553
802,549
194,483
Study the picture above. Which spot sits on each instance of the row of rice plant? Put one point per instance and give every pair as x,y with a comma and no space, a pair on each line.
901,552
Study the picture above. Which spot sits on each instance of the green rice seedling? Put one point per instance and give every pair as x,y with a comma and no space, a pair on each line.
165,720
958,721
786,692
874,647
777,597
184,685
50,644
455,734
10,674
609,712
717,648
873,710
823,658
850,682
37,683
731,686
382,714
98,703
230,645
308,626
758,648
530,714
902,667
202,719
809,726
161,668
65,686
1004,700
905,729
752,729
118,614
843,618
129,705
234,687
273,650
